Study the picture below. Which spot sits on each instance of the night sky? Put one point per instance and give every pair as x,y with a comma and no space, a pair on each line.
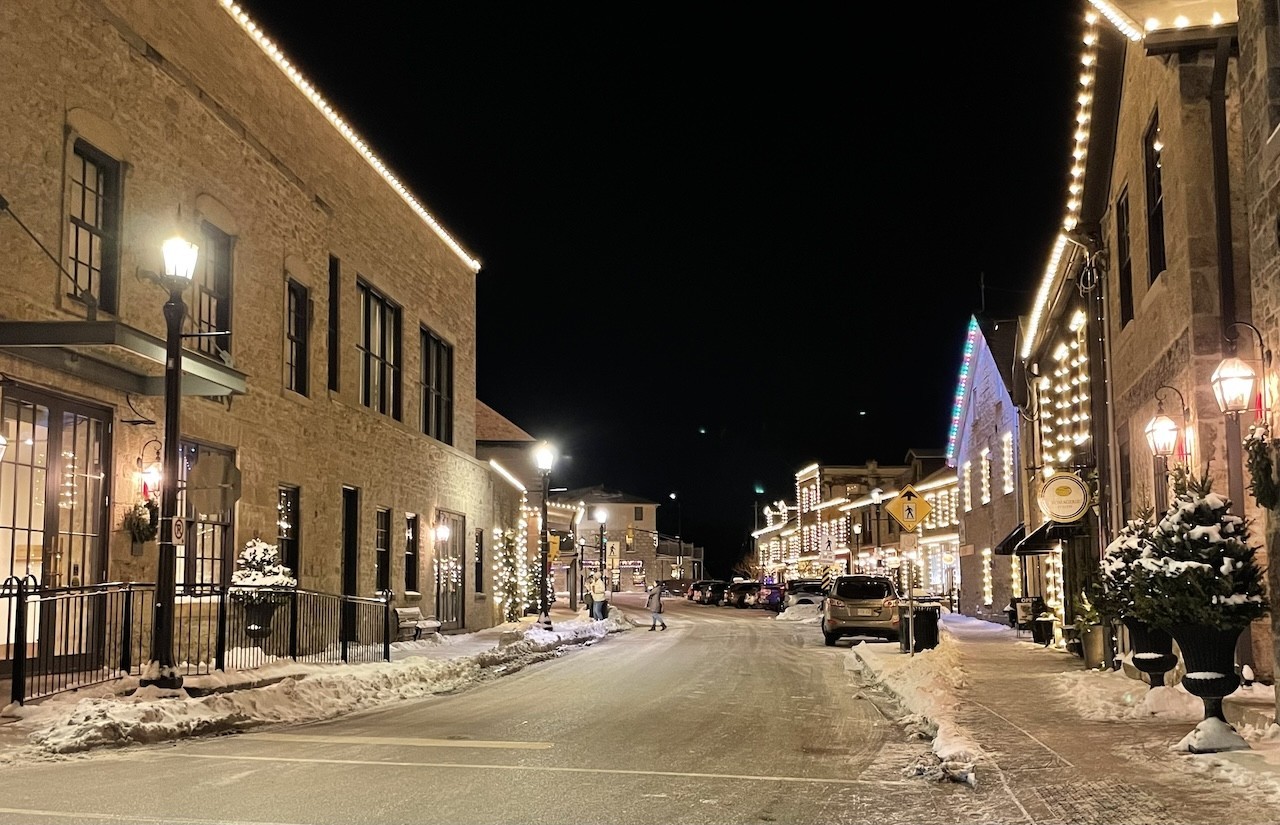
718,244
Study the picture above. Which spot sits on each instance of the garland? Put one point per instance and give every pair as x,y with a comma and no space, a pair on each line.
1259,459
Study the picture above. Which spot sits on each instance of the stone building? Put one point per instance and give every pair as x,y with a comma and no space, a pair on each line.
329,402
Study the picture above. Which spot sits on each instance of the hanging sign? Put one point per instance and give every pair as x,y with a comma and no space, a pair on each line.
1064,497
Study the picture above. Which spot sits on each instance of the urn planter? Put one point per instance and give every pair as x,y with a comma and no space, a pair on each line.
1209,654
1152,650
257,619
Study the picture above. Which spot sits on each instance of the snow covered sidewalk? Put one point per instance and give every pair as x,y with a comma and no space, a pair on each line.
1010,711
122,713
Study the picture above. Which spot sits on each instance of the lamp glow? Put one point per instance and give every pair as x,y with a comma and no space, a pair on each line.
1232,384
1162,435
179,258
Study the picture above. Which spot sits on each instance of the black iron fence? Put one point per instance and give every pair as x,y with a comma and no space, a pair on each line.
59,639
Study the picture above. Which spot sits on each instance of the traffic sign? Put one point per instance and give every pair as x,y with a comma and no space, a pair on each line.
909,508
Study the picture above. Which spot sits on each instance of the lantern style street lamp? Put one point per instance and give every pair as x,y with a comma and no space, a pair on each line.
1232,384
1162,437
1233,388
179,268
545,457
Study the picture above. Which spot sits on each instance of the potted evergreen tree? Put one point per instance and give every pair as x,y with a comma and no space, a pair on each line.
257,584
1113,598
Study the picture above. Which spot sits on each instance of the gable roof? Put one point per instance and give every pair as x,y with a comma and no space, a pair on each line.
491,426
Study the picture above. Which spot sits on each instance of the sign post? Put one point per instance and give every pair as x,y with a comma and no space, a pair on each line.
909,508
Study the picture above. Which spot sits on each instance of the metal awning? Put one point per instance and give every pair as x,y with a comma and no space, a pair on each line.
1005,546
115,355
1044,539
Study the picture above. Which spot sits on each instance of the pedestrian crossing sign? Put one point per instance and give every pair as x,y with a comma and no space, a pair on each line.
909,508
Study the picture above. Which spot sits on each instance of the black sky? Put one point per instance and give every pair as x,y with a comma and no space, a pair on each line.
718,243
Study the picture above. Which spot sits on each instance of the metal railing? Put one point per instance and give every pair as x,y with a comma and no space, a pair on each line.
59,639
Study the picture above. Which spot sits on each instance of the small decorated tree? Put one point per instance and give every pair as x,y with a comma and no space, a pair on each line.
510,575
257,567
1113,591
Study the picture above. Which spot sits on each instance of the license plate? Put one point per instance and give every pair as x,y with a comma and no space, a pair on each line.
865,611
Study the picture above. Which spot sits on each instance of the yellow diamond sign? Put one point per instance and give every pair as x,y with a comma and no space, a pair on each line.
909,508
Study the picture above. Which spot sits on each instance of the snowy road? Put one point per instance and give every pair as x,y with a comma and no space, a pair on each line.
728,717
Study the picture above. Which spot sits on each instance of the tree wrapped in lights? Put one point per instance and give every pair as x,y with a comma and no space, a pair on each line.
511,573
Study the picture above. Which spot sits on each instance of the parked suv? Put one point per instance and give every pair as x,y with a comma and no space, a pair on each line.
803,591
741,594
860,605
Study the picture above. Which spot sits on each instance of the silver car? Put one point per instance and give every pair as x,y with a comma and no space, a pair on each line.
860,605
803,591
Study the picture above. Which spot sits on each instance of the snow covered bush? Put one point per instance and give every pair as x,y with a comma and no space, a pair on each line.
258,566
1198,567
1113,592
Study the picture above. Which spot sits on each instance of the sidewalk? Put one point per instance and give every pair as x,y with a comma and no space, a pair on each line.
1071,745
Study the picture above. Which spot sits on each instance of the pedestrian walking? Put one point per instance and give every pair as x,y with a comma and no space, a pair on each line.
599,598
653,601
588,601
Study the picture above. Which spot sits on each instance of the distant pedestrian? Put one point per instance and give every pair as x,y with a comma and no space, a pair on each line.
599,598
653,601
588,600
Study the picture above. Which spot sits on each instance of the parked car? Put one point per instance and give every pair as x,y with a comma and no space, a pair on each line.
695,589
711,592
738,594
803,591
769,597
860,605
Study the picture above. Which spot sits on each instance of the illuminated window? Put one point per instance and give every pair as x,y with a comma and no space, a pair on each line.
986,476
1006,461
1152,148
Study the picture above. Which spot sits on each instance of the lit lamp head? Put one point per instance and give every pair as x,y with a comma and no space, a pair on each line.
876,493
1232,383
544,457
857,528
600,515
1162,434
179,260
442,532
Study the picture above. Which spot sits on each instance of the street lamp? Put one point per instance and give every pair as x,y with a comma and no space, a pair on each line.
857,543
600,517
1162,437
1233,388
179,268
544,456
876,494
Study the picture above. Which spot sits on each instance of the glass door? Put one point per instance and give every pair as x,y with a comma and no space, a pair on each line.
450,555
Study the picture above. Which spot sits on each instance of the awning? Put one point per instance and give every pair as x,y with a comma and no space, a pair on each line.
1005,546
1045,538
116,355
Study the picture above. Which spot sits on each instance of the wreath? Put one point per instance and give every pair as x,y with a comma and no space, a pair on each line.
142,521
1260,461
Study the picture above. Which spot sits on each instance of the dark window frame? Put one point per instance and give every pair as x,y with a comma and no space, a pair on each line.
479,581
297,337
380,355
289,527
209,299
335,318
382,550
101,229
1124,257
215,529
436,382
1157,259
412,532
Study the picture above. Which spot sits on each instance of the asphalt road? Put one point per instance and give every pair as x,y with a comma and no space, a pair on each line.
727,717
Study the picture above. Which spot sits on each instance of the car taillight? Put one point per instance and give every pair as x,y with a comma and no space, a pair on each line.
835,602
890,602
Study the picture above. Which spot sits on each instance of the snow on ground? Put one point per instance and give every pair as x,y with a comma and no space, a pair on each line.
801,613
926,684
122,713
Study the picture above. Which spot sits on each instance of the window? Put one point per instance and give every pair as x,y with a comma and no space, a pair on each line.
1006,461
1151,149
287,514
93,239
297,326
335,297
382,551
437,387
1126,475
986,475
209,310
480,561
206,557
411,552
379,349
638,514
966,482
1124,257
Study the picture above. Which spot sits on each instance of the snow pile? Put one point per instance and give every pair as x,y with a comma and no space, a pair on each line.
76,722
1109,694
801,613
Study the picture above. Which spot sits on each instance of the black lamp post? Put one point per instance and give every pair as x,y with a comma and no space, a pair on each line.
1162,437
600,517
179,267
545,457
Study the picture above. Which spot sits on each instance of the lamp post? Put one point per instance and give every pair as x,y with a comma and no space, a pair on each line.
1162,437
600,517
1233,388
876,493
544,456
857,544
179,267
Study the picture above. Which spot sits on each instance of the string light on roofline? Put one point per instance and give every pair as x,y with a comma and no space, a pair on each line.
272,51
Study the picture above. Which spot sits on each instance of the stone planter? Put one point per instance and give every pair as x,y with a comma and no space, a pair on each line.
1209,654
1152,650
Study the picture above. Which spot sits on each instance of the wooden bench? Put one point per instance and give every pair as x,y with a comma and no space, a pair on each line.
411,624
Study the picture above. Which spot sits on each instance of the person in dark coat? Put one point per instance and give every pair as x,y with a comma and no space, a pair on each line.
653,601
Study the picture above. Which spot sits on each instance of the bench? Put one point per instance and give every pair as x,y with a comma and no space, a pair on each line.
411,624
